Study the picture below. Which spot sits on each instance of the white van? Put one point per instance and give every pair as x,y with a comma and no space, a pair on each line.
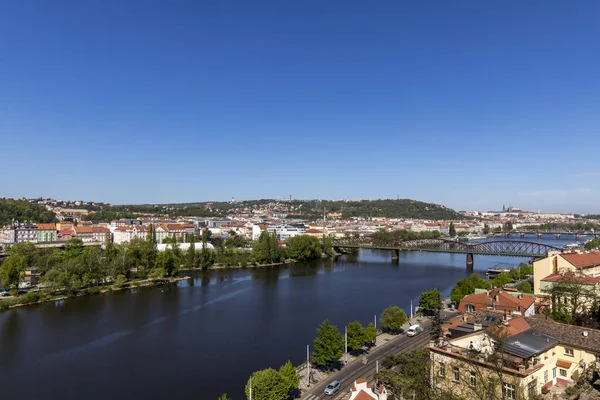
413,330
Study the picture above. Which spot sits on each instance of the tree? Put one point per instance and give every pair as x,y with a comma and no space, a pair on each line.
328,246
408,374
11,271
430,300
452,229
151,248
73,248
304,247
486,229
370,334
508,226
502,279
191,253
435,301
392,319
167,262
224,396
267,384
356,336
525,287
329,345
290,376
206,234
592,244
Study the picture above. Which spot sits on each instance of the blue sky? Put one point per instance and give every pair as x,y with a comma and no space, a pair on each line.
471,104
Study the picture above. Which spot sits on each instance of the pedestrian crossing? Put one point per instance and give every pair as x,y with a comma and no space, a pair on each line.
312,397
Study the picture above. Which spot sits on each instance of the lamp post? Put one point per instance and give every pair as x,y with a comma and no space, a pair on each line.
346,345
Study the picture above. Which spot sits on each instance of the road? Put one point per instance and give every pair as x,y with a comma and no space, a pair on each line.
358,369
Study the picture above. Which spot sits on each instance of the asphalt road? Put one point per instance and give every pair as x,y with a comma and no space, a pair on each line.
358,369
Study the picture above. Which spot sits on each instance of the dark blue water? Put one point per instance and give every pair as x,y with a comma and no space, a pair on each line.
207,335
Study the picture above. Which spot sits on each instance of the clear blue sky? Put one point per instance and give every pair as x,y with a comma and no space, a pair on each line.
471,104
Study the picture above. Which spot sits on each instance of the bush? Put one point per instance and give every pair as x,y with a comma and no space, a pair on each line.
30,297
120,280
156,273
94,290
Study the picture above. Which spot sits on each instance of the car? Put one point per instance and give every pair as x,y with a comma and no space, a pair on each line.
332,388
413,330
4,293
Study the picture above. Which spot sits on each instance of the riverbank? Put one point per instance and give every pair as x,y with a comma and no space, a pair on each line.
289,261
40,297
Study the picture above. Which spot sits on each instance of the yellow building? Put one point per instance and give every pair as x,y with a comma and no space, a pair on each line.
488,364
579,262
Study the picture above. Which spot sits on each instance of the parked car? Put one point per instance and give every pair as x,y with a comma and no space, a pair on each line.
4,293
332,388
413,330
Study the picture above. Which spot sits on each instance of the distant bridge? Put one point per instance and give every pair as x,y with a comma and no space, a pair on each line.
556,234
512,248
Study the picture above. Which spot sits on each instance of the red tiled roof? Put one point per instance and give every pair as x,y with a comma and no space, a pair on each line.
314,231
360,380
83,229
583,260
362,395
501,300
570,278
66,232
46,227
515,326
563,364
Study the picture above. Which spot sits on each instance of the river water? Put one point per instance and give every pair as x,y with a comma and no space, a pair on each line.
205,336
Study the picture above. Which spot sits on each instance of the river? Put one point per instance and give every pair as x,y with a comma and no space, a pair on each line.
205,336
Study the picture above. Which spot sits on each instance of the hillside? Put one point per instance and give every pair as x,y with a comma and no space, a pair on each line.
23,211
306,209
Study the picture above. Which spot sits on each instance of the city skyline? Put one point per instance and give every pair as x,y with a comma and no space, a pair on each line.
467,105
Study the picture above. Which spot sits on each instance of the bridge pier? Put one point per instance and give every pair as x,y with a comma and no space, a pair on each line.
522,235
395,254
469,262
577,236
557,235
539,235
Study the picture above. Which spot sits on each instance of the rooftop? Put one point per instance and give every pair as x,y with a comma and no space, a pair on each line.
570,335
583,260
529,343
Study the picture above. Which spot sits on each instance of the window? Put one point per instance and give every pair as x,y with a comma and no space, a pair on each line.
569,352
442,371
456,374
545,376
562,372
469,308
472,380
508,391
532,389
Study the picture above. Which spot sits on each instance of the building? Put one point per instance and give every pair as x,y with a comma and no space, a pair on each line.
363,391
46,233
578,348
26,233
8,235
126,233
560,288
60,226
257,229
284,232
91,234
471,366
580,262
498,299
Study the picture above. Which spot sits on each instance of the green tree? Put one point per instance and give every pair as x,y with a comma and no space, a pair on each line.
328,246
370,334
267,384
486,229
224,396
206,235
430,300
392,319
290,376
73,248
151,248
303,247
525,287
452,230
191,254
329,345
356,336
592,244
502,279
507,227
11,271
167,262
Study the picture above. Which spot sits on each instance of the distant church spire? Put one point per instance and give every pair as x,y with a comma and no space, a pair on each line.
503,207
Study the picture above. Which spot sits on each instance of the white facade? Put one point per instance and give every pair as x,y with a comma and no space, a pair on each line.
284,232
127,233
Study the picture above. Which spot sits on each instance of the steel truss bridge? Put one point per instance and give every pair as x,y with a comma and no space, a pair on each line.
511,248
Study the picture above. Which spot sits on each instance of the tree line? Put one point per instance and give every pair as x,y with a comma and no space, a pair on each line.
389,238
474,281
23,211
